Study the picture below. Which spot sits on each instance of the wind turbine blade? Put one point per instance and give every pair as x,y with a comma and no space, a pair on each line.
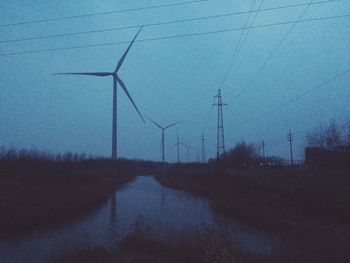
128,94
187,146
154,122
121,60
172,125
96,74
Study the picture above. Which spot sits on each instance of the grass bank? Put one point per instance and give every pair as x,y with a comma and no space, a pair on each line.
310,208
268,196
143,245
37,197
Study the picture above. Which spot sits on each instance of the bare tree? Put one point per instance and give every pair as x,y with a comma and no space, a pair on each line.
346,129
333,135
243,154
315,139
329,136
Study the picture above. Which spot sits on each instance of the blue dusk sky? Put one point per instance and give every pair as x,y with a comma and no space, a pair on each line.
271,87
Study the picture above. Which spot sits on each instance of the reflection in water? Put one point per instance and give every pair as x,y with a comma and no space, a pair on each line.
113,218
113,201
165,210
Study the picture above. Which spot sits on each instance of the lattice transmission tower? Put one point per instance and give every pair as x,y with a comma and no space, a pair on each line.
290,140
220,139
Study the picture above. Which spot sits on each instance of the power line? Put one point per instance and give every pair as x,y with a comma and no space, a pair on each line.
101,13
296,98
172,37
239,47
234,55
253,21
159,23
274,50
278,140
316,88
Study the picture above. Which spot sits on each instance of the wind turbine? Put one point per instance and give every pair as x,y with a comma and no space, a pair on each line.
163,130
178,144
178,147
188,150
116,80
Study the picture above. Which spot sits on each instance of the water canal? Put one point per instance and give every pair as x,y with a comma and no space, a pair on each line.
164,210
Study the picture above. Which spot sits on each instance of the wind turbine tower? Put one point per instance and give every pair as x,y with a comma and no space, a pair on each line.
197,156
178,147
220,138
162,136
116,80
178,144
203,148
188,150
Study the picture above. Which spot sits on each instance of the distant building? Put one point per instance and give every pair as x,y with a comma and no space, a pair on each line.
338,157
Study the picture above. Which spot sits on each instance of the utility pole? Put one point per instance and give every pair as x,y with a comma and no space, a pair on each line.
263,149
290,139
220,138
203,148
188,154
178,148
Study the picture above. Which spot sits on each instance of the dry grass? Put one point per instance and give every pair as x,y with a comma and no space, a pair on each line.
55,196
142,245
275,196
311,208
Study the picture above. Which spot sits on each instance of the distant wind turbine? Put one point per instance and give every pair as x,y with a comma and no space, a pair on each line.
178,144
188,150
163,129
116,80
178,147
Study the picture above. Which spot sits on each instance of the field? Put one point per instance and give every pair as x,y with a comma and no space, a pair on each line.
35,195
